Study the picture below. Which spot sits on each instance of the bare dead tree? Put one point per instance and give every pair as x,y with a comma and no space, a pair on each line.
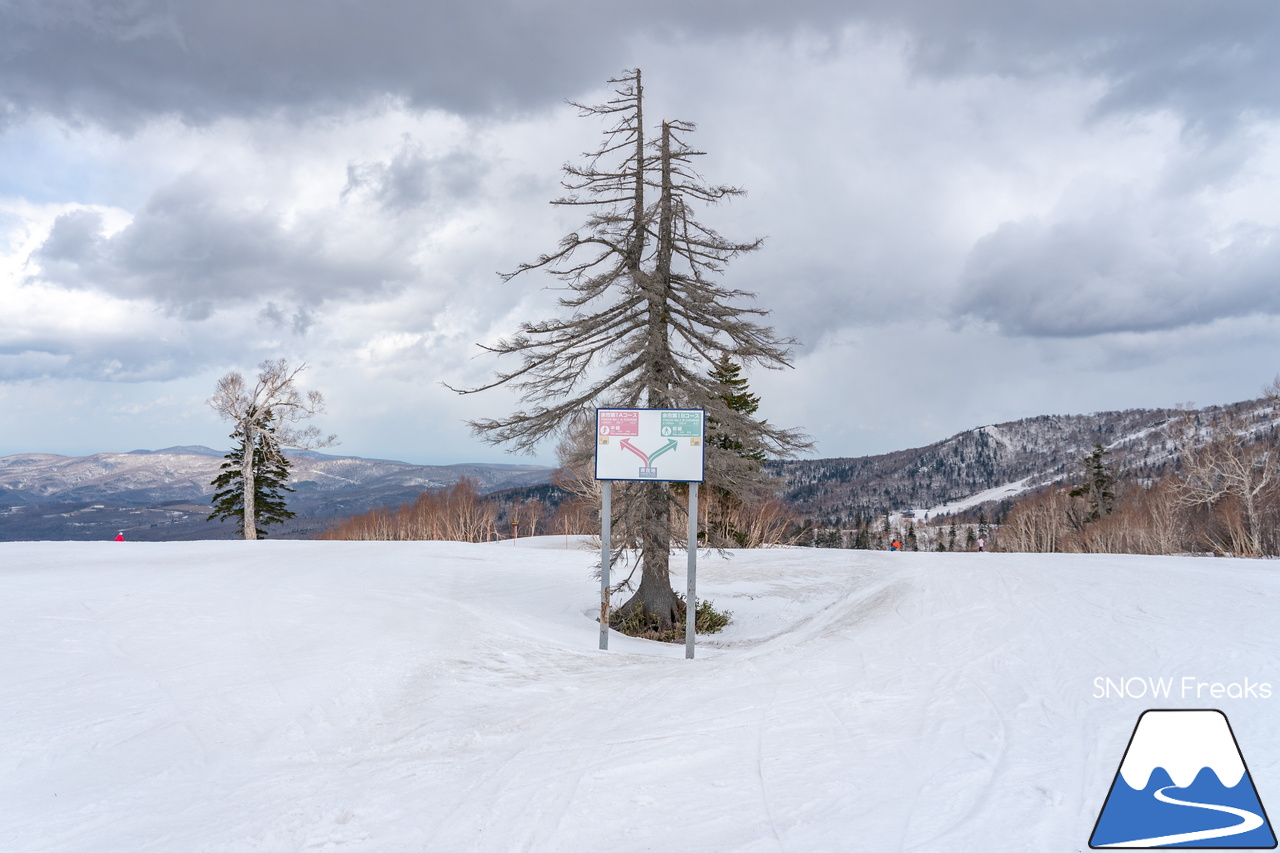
646,316
266,416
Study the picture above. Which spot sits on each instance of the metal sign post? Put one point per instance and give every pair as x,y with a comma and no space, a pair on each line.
691,590
654,445
606,547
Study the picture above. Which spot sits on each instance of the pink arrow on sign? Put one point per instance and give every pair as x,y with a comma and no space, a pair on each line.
637,451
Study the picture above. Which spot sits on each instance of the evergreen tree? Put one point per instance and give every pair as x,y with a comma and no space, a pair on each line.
738,398
725,506
1099,484
271,473
830,538
264,416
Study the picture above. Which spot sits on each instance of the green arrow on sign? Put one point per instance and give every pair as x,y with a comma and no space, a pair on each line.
670,445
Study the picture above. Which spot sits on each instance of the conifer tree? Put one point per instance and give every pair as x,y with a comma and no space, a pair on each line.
265,416
1099,484
724,504
644,317
271,475
737,397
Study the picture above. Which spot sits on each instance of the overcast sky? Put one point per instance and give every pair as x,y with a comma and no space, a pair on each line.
973,212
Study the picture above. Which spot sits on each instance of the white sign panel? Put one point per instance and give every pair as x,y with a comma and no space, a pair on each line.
650,444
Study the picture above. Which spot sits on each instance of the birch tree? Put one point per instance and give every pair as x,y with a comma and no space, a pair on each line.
266,417
644,317
1234,458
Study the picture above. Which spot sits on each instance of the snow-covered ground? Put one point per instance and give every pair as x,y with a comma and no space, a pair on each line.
998,493
297,696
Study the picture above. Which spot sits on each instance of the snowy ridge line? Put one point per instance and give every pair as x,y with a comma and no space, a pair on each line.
186,475
1005,460
995,458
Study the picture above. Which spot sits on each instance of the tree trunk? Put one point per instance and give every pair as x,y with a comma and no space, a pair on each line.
1253,520
655,600
635,246
250,486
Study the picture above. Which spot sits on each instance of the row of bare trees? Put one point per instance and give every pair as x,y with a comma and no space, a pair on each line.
1145,520
461,513
456,513
1223,496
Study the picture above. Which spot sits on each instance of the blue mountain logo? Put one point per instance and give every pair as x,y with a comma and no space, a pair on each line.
1183,783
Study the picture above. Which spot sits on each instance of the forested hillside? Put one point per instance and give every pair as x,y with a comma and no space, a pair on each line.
1036,450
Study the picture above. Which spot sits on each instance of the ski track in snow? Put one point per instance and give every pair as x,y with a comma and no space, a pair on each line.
388,697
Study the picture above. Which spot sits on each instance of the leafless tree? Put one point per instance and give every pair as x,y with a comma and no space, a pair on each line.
456,513
1231,459
646,316
267,415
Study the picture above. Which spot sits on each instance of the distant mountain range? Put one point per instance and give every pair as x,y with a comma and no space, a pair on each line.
165,494
992,463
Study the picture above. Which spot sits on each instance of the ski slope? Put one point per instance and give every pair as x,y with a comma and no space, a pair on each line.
299,696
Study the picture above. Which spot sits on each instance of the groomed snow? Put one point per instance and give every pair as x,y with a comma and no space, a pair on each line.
384,697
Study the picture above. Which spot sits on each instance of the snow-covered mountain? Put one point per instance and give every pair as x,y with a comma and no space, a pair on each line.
146,477
47,496
988,463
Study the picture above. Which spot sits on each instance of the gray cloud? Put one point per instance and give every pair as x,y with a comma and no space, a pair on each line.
1207,62
298,321
1121,268
75,239
189,249
414,178
120,61
137,354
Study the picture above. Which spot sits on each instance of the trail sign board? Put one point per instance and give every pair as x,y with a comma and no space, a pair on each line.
650,444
